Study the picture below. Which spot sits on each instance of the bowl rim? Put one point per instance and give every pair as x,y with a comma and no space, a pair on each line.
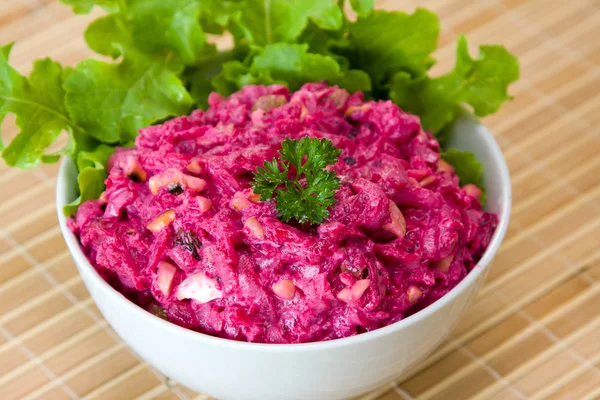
83,264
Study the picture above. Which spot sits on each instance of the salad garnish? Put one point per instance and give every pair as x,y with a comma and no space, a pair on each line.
165,65
298,181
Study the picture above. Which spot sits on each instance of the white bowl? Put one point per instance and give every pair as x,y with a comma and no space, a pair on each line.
336,369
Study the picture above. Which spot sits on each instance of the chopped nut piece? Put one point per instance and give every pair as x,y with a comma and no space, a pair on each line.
134,170
354,293
352,109
194,167
414,293
445,166
398,224
239,203
161,221
196,184
428,180
443,264
284,289
255,227
269,102
473,190
253,197
204,204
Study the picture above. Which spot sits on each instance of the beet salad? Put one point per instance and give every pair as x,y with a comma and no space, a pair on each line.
183,231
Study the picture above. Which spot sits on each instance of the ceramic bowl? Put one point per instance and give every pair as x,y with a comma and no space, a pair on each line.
336,369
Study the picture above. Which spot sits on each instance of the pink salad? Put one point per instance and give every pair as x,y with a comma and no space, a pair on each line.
180,232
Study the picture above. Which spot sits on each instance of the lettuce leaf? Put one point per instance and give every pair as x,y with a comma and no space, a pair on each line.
166,64
85,6
215,15
112,101
92,174
173,27
387,42
38,103
467,167
362,7
481,83
263,22
291,65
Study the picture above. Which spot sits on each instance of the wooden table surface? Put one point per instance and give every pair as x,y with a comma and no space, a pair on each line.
533,331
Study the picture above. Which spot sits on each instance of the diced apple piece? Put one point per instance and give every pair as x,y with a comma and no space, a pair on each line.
284,289
414,293
398,224
200,288
161,221
164,277
255,227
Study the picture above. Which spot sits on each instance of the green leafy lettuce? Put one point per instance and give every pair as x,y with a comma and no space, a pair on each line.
92,173
481,83
164,65
38,103
467,167
291,65
263,22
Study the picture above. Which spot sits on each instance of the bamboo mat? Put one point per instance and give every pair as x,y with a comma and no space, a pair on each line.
533,331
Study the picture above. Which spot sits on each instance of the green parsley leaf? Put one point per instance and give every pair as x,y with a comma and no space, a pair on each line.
480,82
263,22
307,196
467,167
92,174
113,101
38,105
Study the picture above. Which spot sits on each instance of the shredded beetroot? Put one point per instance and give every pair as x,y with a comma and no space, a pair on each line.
401,235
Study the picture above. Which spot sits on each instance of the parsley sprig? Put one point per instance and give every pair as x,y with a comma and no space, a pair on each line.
298,181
